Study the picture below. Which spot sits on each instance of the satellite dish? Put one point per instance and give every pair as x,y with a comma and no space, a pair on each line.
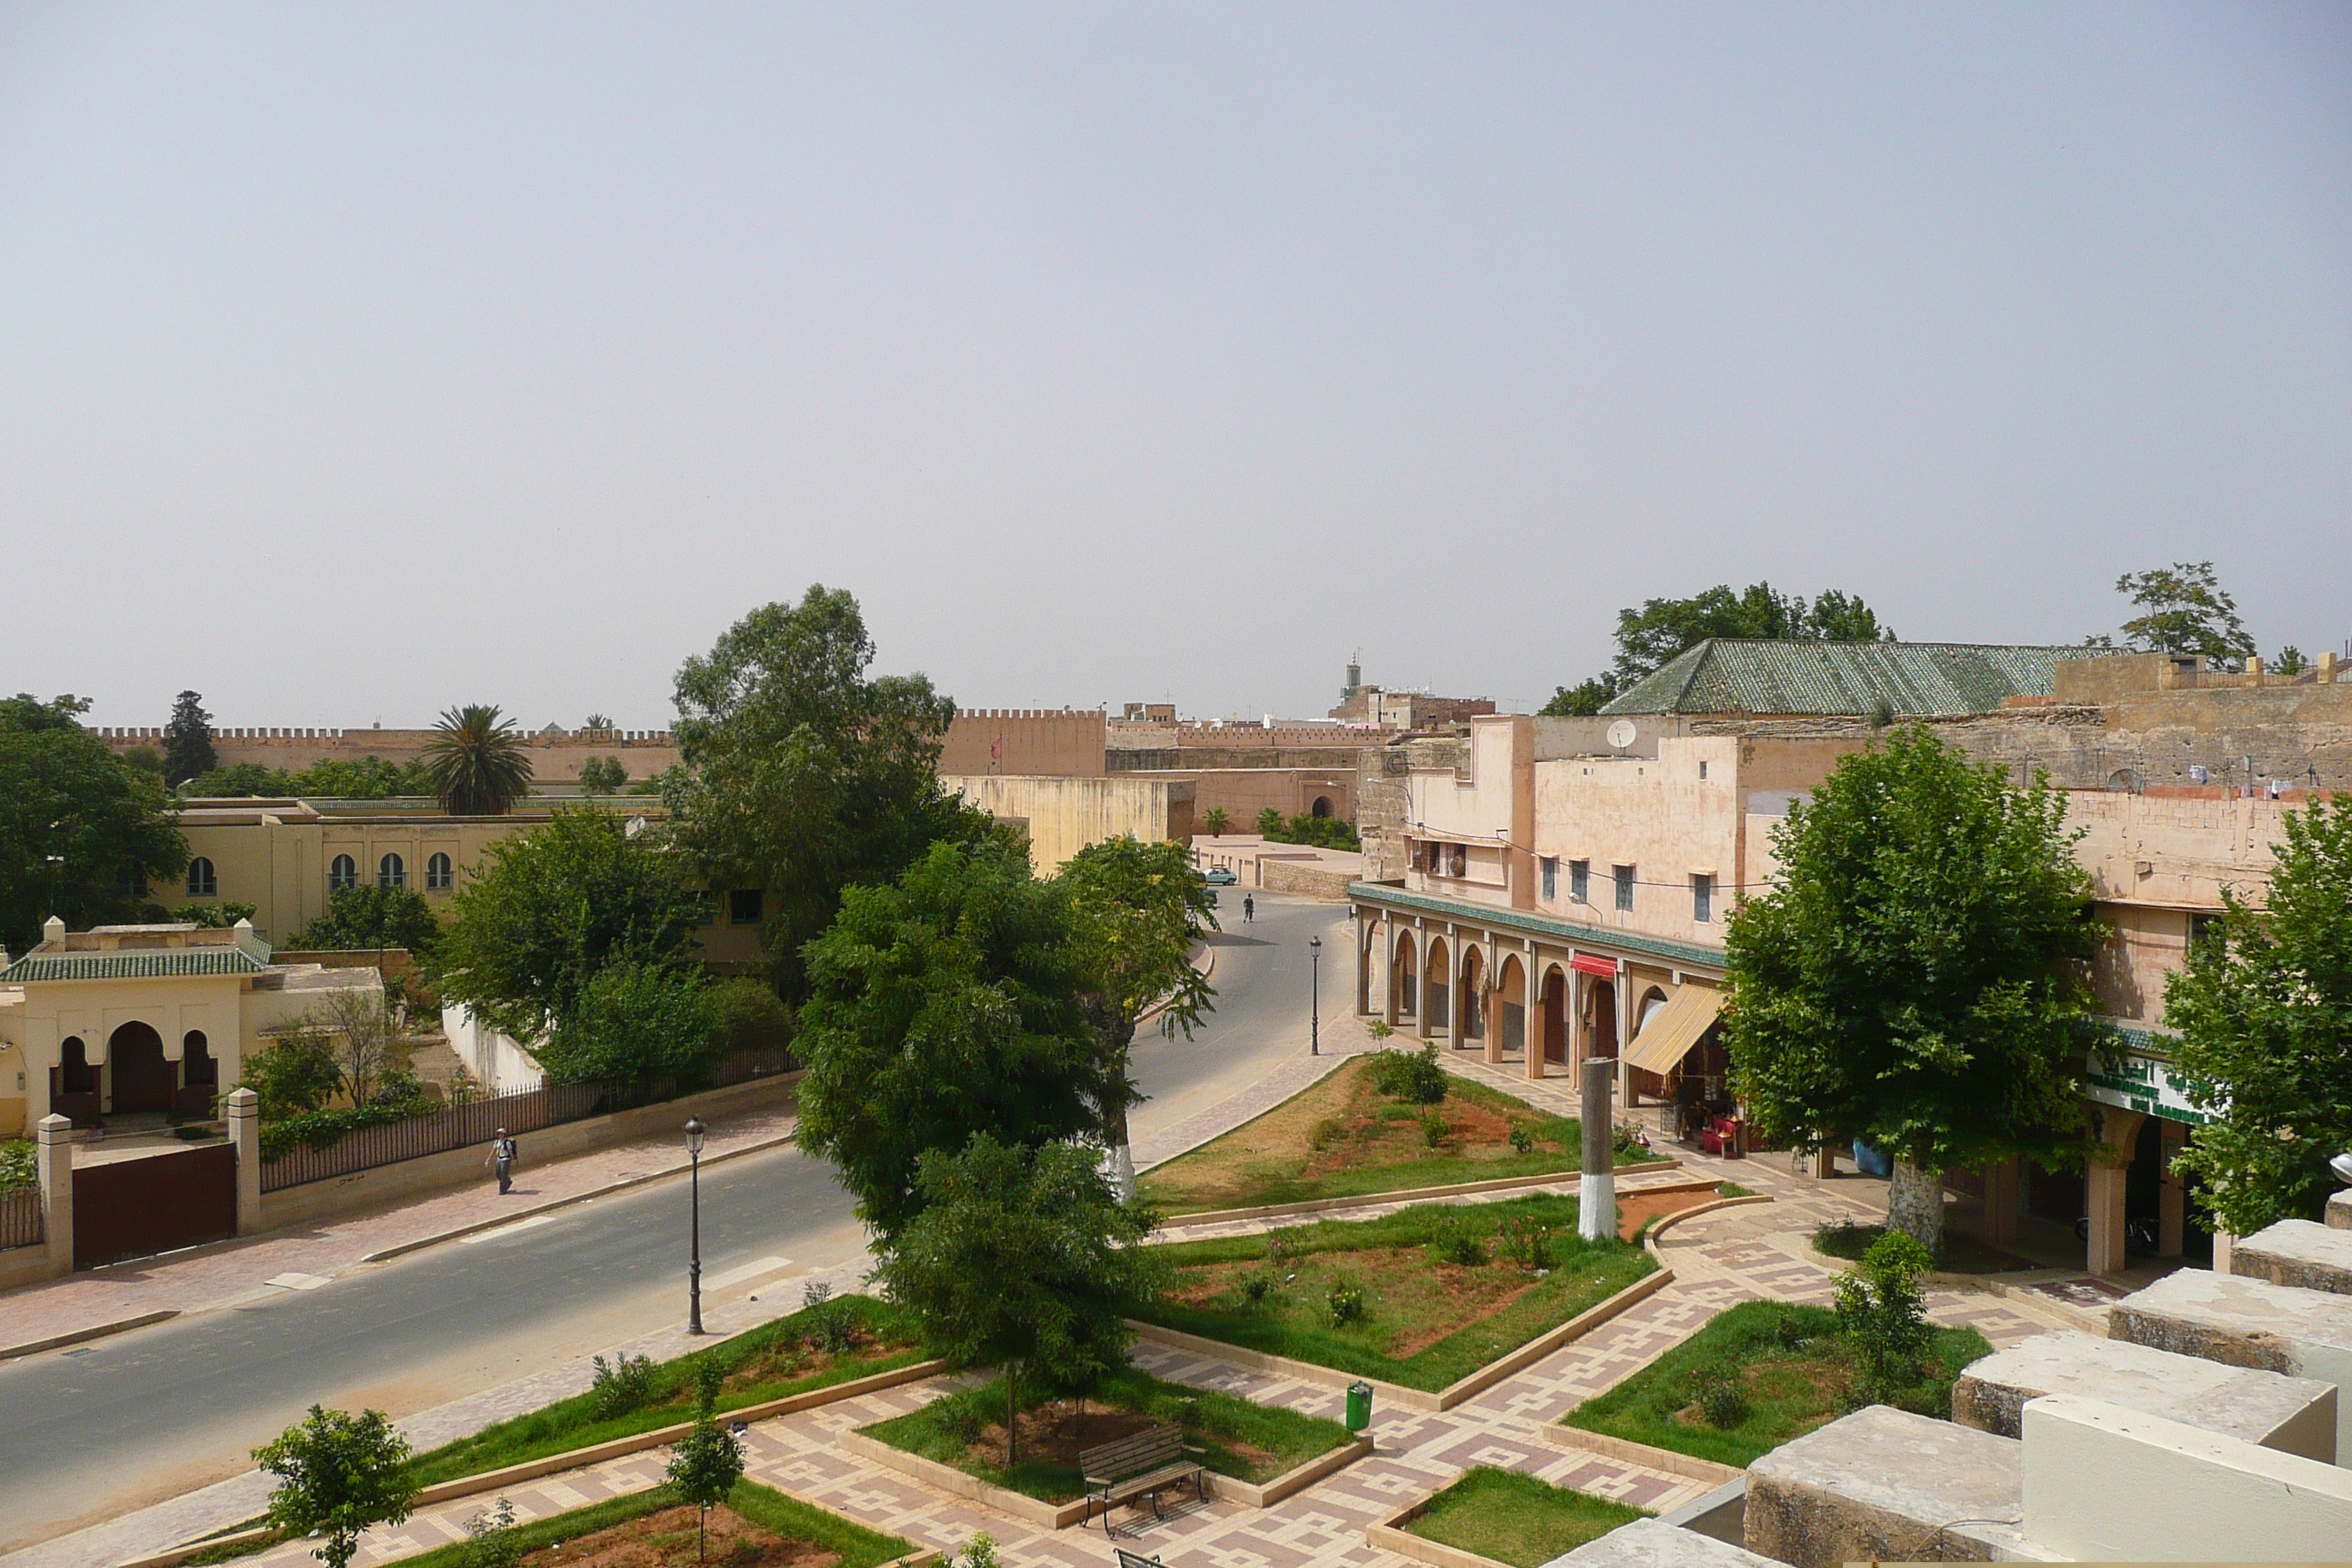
1621,733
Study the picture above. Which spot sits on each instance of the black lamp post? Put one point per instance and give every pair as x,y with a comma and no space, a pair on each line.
694,1130
1314,997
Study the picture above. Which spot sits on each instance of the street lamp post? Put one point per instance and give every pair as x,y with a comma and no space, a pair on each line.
1314,997
694,1130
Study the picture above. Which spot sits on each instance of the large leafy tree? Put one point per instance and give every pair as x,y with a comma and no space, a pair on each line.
2183,609
801,774
2264,1015
369,916
188,739
1919,978
476,761
942,1006
1022,1258
1136,912
545,912
81,834
1657,630
338,1474
636,1024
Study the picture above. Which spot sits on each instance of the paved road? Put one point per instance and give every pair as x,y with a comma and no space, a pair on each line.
91,1432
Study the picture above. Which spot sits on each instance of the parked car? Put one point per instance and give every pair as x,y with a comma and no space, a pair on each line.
1220,877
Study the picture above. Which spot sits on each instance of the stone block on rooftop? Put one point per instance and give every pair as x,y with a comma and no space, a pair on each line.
1885,1484
2339,1210
2293,1415
2297,1252
2247,1322
1647,1543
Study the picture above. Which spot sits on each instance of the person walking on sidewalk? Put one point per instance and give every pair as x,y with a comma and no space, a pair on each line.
1249,909
502,1159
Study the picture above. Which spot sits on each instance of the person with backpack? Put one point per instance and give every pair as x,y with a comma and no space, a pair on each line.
1249,909
502,1161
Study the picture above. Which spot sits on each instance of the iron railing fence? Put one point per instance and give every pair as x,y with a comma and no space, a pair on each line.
23,1221
518,1110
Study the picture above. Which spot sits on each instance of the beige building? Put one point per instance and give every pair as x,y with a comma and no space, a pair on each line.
145,1021
556,753
1063,815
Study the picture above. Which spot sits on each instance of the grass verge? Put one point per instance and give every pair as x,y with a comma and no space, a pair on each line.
1792,1367
1516,1519
1435,1297
1247,1441
764,1506
775,1361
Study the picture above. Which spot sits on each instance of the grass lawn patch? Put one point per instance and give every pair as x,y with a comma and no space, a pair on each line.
1342,1138
763,1529
1515,1518
1792,1370
833,1342
1247,1441
1961,1254
1423,1296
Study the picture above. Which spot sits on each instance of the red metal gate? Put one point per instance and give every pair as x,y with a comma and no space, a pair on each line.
134,1209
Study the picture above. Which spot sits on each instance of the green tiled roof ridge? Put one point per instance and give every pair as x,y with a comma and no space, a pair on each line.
1944,680
1569,932
131,963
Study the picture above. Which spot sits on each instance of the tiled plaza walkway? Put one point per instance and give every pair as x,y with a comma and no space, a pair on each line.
1739,1254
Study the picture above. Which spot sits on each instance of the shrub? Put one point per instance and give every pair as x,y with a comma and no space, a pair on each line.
748,1015
1522,1141
1627,1142
325,1128
960,1421
1883,1311
1347,1303
1326,1132
1458,1243
17,1165
1415,1077
1432,1128
1525,1241
298,1074
1720,1395
492,1542
636,1024
1256,1288
628,1384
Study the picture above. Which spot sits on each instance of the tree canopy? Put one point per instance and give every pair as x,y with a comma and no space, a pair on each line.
1919,978
2183,609
366,778
188,739
1657,630
802,775
81,834
635,1022
2263,1011
1137,912
940,1006
1024,1258
338,1474
366,916
547,909
476,761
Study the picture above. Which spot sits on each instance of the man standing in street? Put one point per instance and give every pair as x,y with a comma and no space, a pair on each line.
502,1159
1249,909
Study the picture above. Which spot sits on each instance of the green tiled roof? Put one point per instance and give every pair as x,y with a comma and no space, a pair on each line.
1678,953
131,963
1911,679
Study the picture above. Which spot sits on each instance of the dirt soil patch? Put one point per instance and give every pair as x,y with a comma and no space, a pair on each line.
667,1539
1637,1209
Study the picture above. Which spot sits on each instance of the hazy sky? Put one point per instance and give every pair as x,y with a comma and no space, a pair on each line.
356,360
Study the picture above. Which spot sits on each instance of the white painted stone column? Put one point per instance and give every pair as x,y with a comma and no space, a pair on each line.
244,1135
1596,1195
55,1168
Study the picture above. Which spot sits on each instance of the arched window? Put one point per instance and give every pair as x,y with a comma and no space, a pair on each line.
73,1068
202,881
390,872
343,873
438,878
1322,808
196,1064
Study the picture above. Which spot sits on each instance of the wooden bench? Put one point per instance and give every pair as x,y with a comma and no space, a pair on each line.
1131,1559
1117,1472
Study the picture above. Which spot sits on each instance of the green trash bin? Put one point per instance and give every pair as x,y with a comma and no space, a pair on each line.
1359,1406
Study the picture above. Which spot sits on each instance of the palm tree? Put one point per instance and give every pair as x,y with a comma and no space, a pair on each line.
1216,821
476,762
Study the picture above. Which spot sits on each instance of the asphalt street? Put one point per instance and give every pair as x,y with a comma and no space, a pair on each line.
88,1433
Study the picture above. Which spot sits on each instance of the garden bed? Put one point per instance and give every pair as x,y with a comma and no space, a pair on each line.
1343,1137
1246,1441
1793,1370
1504,1516
654,1530
1422,1298
790,1356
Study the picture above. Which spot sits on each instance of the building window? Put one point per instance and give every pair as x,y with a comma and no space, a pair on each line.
706,908
196,1064
1625,887
1702,898
743,906
1702,770
1459,860
1550,876
2202,927
1579,880
343,873
390,872
439,876
203,883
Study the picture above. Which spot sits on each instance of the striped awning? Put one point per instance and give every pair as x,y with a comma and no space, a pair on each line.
1674,1029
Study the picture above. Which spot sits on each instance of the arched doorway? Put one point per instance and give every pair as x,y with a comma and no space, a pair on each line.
1510,1002
1601,1025
1436,982
142,1078
1555,1013
1322,807
1474,969
1402,974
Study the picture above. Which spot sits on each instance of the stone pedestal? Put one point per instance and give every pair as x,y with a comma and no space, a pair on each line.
54,1164
2247,1322
1647,1543
1886,1485
2297,1252
2292,1414
244,1108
